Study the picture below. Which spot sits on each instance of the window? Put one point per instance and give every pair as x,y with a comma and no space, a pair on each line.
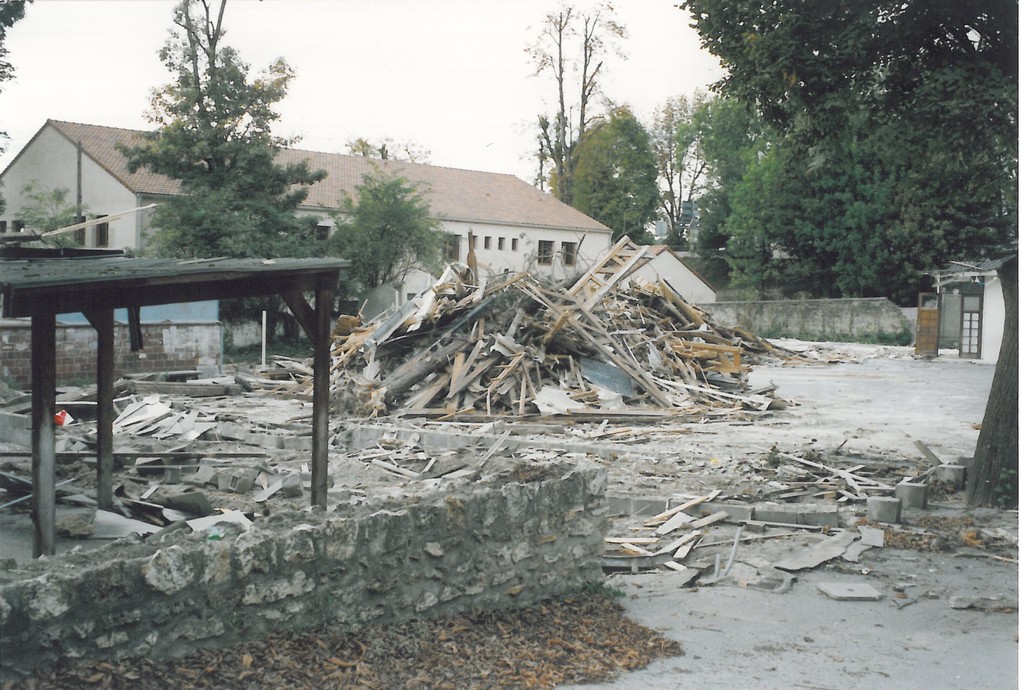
79,236
102,234
546,252
322,231
569,250
453,249
3,226
472,240
500,243
486,242
514,244
19,225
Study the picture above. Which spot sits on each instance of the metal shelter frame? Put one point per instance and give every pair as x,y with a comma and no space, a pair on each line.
41,288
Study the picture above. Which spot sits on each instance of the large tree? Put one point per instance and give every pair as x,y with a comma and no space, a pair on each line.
214,135
11,11
941,74
571,47
680,164
616,176
385,230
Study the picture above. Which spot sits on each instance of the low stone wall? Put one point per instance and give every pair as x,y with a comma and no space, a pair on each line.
876,319
520,536
167,347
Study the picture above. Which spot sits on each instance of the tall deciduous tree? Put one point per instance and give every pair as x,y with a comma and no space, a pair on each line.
939,72
616,176
571,47
386,230
214,134
680,164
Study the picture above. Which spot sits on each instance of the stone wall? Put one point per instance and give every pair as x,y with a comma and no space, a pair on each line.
167,347
512,539
870,319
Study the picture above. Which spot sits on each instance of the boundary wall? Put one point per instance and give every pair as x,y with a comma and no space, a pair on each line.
527,533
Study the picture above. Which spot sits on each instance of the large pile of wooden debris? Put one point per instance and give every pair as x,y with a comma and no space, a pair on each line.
609,345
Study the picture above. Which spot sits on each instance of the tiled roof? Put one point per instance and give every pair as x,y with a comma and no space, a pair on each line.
453,194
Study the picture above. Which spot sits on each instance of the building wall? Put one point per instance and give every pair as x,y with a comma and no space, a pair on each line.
514,539
667,267
167,347
993,319
51,160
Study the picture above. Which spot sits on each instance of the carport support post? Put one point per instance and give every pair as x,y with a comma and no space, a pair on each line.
103,322
44,446
321,395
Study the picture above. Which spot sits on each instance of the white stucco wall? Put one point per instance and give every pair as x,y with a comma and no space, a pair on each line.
52,161
993,319
667,267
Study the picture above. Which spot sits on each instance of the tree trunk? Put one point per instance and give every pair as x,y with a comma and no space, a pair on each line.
993,479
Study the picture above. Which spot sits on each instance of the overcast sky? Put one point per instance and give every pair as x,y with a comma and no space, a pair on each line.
450,75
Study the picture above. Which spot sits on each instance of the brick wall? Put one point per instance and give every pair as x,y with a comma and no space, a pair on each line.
166,347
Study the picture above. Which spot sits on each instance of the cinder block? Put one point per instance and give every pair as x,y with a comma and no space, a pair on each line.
883,509
776,512
819,515
912,494
739,512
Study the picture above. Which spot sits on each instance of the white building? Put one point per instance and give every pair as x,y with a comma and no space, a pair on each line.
514,225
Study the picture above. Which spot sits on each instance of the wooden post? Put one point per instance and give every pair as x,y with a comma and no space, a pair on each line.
321,395
44,447
103,322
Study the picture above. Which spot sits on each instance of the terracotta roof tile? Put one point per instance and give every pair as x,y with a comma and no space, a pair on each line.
453,194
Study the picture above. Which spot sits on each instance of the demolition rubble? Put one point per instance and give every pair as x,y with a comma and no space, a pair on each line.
513,378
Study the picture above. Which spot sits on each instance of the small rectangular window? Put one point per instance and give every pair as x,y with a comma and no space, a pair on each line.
472,240
103,234
500,243
322,231
545,256
514,244
79,237
19,225
3,226
453,249
568,252
486,242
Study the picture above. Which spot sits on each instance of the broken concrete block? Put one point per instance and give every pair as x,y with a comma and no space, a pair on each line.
950,474
203,476
194,502
850,591
239,483
912,494
883,509
291,486
991,603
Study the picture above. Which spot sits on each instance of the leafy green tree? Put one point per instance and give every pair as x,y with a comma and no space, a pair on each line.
571,47
46,210
11,11
386,230
616,176
214,134
941,77
731,138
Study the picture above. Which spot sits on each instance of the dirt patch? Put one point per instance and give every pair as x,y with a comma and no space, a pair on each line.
583,638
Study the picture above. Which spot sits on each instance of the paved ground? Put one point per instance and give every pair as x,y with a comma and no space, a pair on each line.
736,637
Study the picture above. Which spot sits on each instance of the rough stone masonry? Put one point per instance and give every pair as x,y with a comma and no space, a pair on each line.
523,534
